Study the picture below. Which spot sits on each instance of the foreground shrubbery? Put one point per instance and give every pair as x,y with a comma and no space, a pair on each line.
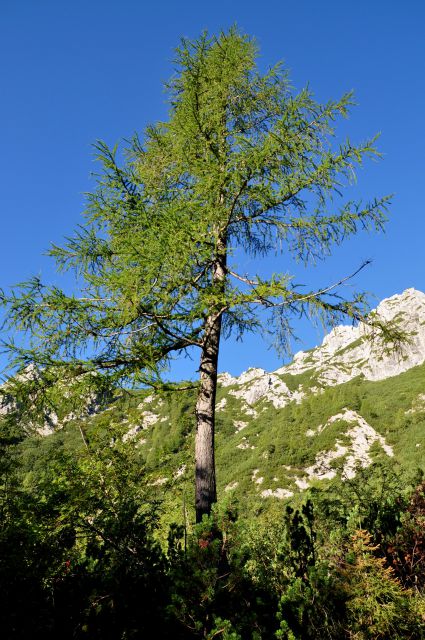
83,554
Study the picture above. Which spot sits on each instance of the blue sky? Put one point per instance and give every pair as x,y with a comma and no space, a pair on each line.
73,72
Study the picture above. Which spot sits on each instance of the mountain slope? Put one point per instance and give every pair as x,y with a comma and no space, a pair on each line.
343,405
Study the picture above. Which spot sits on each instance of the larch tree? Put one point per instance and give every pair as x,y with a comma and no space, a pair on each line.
243,166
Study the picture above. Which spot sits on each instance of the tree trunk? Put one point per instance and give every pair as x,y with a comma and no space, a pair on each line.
205,486
205,489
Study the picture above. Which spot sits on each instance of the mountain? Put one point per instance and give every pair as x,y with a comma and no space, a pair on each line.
346,404
348,351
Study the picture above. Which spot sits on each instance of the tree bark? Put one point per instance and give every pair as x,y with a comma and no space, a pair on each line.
205,485
205,488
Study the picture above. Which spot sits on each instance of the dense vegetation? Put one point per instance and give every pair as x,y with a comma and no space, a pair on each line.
92,546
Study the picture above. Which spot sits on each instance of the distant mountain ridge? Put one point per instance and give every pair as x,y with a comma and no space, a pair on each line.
345,353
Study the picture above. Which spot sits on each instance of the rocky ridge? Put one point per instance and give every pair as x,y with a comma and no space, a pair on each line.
345,353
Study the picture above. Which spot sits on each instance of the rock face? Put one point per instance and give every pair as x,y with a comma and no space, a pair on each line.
362,437
345,353
89,404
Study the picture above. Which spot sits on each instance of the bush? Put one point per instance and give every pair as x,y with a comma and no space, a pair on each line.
376,603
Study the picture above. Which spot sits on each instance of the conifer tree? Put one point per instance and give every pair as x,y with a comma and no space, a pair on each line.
242,166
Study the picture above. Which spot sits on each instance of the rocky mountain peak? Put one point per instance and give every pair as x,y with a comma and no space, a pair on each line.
410,303
345,353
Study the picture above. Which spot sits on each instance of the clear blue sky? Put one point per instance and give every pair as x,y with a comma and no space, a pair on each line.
76,71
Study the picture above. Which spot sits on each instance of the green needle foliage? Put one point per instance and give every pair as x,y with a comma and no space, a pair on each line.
242,166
